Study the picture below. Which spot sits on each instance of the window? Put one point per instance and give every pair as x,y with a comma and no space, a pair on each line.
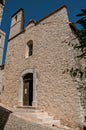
29,49
30,46
0,38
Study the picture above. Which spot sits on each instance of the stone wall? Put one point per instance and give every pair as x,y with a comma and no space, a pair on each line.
1,12
1,83
83,90
2,40
56,92
83,100
2,3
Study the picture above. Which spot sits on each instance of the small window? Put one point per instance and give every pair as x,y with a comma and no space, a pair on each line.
30,46
0,38
29,49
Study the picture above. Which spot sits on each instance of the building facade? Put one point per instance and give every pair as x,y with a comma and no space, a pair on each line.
35,73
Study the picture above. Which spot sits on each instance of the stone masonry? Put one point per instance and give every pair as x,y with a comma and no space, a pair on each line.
2,2
53,88
2,39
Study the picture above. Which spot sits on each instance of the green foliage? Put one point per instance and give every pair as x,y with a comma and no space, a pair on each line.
82,33
79,74
82,21
76,72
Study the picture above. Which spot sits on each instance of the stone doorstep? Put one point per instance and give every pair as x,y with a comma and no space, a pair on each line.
39,116
29,109
25,107
36,114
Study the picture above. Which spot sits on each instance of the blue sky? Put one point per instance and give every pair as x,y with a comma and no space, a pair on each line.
37,9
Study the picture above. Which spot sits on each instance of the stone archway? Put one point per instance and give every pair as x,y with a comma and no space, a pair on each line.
33,99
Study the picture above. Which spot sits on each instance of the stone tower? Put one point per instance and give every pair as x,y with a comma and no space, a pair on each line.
17,23
2,34
2,3
2,39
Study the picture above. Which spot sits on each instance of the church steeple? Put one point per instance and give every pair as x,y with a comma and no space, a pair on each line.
2,3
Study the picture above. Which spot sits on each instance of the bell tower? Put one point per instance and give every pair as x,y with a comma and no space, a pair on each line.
2,3
2,34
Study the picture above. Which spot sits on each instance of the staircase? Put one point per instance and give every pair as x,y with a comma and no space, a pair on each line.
41,117
35,115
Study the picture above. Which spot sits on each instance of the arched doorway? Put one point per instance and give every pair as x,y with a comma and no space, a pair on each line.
28,74
28,89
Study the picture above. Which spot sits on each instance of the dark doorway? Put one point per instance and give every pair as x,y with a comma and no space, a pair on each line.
28,89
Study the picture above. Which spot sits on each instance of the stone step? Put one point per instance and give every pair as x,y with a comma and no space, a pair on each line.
27,109
39,117
36,116
45,118
53,122
32,115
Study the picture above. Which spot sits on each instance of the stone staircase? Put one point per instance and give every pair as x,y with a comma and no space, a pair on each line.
34,115
38,116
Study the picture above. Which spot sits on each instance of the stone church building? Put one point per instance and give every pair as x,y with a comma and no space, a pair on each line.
35,73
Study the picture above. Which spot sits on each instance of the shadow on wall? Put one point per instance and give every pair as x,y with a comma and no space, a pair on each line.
4,115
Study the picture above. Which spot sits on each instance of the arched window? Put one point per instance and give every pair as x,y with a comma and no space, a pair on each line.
29,49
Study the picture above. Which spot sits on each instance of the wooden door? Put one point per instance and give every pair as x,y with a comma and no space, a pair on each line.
26,93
